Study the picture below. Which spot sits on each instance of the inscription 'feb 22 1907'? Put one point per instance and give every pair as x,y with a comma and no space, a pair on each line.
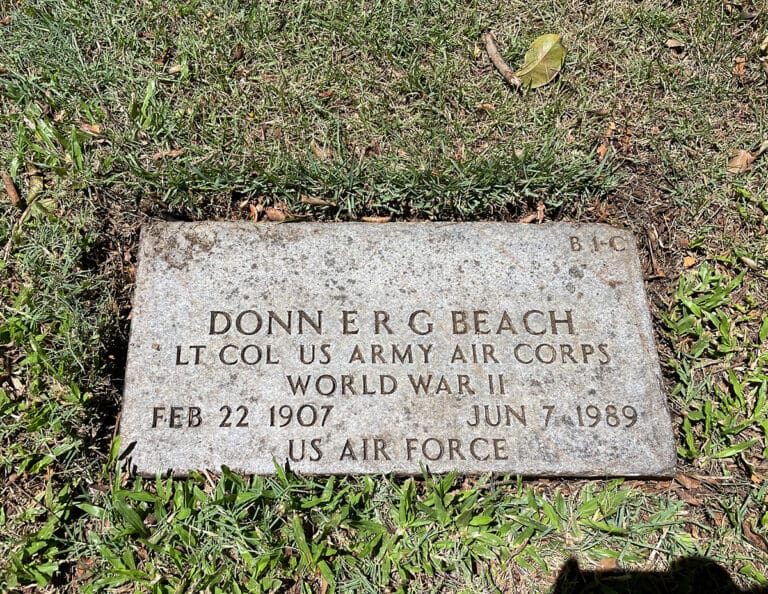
349,348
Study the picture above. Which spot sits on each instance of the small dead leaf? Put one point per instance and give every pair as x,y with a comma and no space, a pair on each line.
163,58
485,107
5,21
626,139
608,564
175,69
740,162
739,66
675,44
323,153
274,215
689,261
376,219
312,201
528,218
94,129
254,212
749,263
167,154
687,481
542,62
326,94
690,499
756,540
10,189
602,150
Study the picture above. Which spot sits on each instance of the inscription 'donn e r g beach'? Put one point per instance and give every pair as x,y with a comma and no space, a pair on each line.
349,348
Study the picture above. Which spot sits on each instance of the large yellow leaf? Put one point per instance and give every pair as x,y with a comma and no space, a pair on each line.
542,62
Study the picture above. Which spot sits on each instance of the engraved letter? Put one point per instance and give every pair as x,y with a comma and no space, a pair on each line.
527,327
568,320
304,317
239,322
412,323
227,319
381,318
481,321
157,415
617,243
348,322
194,419
459,319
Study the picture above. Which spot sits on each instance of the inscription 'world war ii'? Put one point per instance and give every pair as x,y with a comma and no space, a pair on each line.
345,348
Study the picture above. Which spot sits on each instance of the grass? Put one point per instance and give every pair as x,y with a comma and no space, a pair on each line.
114,113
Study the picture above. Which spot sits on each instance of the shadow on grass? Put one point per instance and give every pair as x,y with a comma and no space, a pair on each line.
689,575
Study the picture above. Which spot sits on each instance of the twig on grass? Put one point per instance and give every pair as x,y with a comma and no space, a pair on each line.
493,53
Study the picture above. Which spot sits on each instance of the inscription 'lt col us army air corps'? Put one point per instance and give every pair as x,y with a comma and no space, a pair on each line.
351,348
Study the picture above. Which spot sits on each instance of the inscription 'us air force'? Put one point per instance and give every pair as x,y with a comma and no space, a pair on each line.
344,348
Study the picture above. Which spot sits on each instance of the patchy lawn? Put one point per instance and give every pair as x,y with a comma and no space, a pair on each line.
114,113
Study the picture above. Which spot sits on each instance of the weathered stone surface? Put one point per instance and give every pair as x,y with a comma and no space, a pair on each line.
353,348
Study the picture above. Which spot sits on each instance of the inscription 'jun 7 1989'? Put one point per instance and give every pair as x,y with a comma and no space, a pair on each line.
346,348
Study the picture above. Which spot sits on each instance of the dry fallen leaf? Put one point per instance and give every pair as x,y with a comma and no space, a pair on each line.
690,499
675,44
274,215
608,564
749,262
175,69
689,261
94,129
740,161
5,21
167,154
323,153
377,219
315,201
757,541
739,66
687,481
602,150
486,107
254,212
10,189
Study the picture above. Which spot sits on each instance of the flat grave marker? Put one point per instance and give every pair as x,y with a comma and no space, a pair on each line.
351,348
